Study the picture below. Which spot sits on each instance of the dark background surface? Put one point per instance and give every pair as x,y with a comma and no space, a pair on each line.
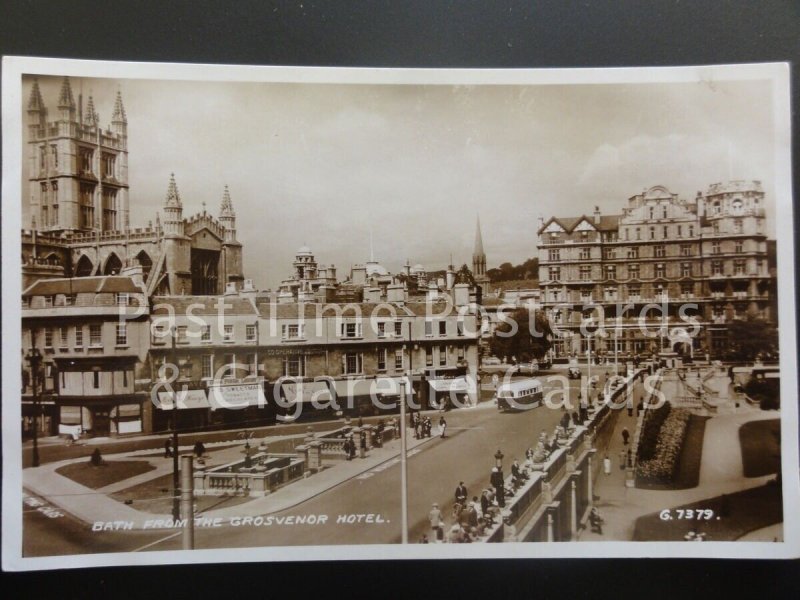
416,33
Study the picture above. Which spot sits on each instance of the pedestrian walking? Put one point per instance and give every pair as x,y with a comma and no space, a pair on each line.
630,408
199,449
363,443
461,493
437,524
168,448
625,435
607,465
596,521
498,483
442,428
348,450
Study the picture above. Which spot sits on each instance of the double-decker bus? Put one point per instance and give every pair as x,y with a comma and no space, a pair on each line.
520,394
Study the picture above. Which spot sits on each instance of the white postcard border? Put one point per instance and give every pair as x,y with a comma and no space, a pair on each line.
14,67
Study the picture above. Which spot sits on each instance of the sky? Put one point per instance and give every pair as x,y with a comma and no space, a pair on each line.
325,165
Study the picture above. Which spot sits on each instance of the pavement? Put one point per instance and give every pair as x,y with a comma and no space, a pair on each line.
721,472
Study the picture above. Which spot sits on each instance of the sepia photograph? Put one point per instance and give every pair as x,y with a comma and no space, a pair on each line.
324,314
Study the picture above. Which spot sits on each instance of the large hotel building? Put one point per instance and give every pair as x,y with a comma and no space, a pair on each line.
664,259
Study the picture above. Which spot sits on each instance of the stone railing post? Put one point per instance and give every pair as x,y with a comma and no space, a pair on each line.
570,462
589,472
314,457
369,430
573,513
547,492
302,452
199,480
550,534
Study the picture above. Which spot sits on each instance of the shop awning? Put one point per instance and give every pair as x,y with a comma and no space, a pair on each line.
457,385
128,410
379,387
237,395
186,399
306,391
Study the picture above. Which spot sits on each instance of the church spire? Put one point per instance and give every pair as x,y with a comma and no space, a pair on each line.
119,111
479,256
66,101
173,199
478,240
36,111
227,216
35,102
226,208
91,118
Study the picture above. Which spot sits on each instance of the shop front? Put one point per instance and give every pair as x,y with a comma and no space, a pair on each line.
365,396
306,400
192,413
239,402
100,417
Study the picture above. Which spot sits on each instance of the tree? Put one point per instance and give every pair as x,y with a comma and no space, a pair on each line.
750,339
464,275
508,272
527,342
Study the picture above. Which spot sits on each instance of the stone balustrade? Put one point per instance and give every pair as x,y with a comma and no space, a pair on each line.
267,473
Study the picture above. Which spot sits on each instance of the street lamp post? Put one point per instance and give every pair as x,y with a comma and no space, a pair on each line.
403,462
589,356
176,484
35,360
498,459
404,394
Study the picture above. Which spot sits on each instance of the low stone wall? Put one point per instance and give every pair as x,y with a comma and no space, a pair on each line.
268,473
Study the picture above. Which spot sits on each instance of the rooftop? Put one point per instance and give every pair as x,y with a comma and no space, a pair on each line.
83,285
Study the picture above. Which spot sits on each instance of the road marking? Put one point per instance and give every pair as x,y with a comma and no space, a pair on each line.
164,539
389,463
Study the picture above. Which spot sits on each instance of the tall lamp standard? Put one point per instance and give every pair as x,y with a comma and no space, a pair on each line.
404,394
498,459
176,483
34,358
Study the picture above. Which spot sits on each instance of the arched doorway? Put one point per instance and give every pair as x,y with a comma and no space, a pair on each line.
84,267
113,265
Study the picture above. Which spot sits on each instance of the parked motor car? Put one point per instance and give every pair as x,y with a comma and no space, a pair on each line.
491,361
574,372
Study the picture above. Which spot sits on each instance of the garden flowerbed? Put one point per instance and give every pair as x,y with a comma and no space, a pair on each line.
761,447
660,468
110,472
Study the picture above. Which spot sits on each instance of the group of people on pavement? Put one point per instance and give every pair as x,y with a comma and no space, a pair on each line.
471,519
350,445
423,426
